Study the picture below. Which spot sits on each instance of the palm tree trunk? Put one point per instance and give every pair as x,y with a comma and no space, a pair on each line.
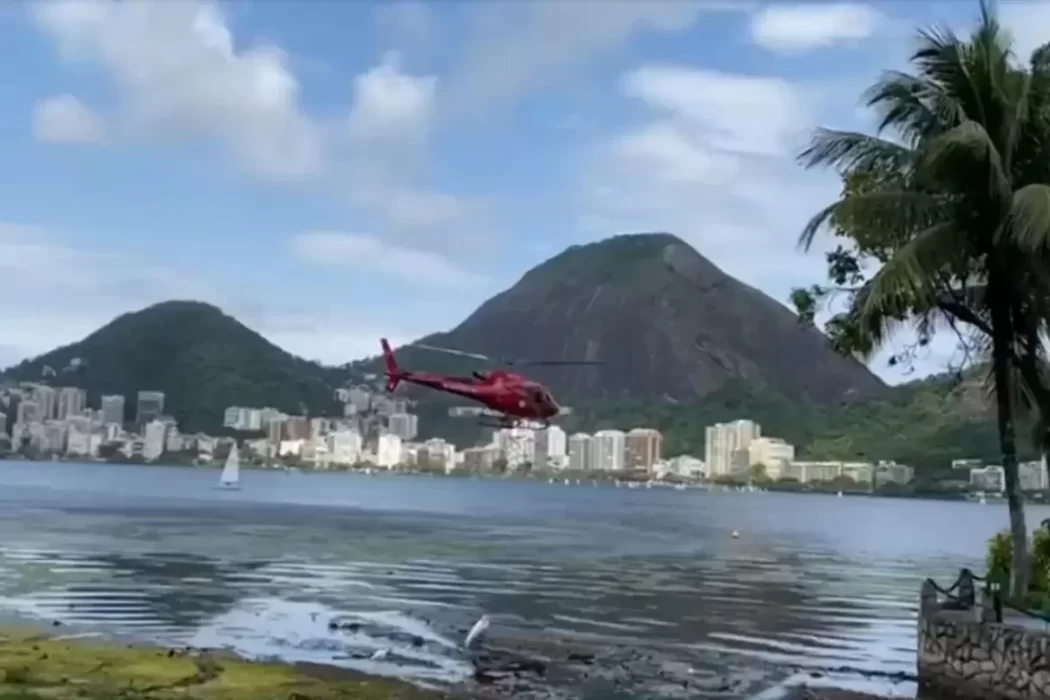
1002,359
1040,391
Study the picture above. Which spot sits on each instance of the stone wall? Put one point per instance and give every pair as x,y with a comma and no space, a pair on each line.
961,657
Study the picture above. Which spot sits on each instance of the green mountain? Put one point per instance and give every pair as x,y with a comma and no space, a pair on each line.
683,346
668,326
202,359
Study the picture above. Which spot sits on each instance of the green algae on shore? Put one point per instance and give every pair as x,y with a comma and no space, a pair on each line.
34,666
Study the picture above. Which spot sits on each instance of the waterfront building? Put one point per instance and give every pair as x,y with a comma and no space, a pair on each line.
644,448
112,408
772,453
724,443
609,450
149,406
154,439
579,451
550,447
404,425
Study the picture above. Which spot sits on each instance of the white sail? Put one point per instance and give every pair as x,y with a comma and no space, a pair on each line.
231,473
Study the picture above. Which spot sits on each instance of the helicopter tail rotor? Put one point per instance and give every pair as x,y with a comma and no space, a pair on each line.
394,374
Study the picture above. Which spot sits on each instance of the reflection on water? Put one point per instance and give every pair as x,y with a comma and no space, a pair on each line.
407,564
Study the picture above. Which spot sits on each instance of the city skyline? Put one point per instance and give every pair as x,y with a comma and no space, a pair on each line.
380,430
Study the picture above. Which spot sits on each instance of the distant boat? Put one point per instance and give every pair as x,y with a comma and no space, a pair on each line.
840,494
230,478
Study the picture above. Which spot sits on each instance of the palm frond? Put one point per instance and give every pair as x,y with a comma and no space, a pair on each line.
909,282
1028,221
896,212
851,151
965,152
912,106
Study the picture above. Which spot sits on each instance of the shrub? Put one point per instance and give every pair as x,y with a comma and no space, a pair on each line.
998,555
997,559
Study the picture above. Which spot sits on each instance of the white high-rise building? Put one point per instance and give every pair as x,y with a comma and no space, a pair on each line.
79,443
644,448
154,439
47,399
242,418
772,453
113,409
609,448
149,406
344,447
28,412
516,445
388,450
579,451
550,447
71,402
437,453
726,445
404,425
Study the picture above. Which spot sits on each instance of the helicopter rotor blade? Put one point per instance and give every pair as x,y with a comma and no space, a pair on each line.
461,353
508,362
555,363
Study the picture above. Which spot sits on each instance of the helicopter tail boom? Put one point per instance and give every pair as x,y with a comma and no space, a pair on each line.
394,374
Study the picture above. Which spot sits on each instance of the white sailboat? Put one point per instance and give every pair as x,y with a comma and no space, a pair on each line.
231,472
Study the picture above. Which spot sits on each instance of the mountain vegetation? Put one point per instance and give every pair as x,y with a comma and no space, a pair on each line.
202,359
667,325
950,204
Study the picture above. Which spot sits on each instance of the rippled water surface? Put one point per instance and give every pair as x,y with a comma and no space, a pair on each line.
813,582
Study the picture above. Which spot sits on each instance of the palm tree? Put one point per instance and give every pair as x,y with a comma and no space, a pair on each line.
960,191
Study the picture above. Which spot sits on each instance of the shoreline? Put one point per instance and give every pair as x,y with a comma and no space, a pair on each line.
586,479
40,661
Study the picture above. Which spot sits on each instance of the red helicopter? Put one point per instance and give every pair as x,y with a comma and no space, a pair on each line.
511,397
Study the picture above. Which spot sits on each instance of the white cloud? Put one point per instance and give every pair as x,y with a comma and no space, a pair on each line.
391,107
1029,22
388,133
408,22
179,72
66,292
516,47
737,113
367,253
713,162
65,119
804,27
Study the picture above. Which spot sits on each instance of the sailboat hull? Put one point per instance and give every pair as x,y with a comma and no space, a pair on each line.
228,487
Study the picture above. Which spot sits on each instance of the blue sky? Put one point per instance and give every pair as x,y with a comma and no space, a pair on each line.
330,172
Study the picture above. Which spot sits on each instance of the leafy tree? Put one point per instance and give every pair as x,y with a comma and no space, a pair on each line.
758,473
956,210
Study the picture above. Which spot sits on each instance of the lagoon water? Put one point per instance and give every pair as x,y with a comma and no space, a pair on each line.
813,586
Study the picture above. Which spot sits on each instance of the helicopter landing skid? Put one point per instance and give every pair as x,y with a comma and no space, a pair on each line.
515,423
